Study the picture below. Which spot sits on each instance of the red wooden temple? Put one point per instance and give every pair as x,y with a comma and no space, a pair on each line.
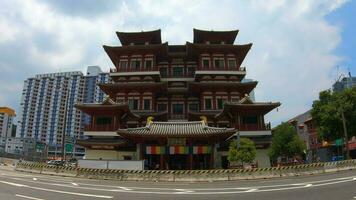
176,106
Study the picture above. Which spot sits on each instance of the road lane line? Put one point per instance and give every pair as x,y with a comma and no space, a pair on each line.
58,191
35,179
75,184
27,197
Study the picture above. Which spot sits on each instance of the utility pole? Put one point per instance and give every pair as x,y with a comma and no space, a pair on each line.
345,135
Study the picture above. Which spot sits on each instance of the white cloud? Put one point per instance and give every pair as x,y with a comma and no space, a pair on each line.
292,56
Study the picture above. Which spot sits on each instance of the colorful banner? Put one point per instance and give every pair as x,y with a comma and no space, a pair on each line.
178,150
155,150
158,150
201,149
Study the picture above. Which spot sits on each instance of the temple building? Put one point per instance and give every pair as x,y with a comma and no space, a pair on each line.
176,106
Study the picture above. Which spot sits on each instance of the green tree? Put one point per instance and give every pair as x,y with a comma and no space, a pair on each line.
327,111
245,154
286,142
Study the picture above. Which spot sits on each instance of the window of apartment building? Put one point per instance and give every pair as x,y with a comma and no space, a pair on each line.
219,62
163,71
123,65
135,64
208,103
206,62
148,64
133,104
147,104
193,107
177,108
161,107
232,63
177,71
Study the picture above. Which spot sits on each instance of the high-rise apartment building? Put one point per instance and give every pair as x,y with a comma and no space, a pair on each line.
346,82
6,121
47,104
47,107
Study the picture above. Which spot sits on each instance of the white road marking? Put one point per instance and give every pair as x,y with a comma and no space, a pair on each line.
252,190
27,197
35,179
58,191
13,184
308,185
74,184
124,188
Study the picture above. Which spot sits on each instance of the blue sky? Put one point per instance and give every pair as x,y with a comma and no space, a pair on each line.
296,44
345,18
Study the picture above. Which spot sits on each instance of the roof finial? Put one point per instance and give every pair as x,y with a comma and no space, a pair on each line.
204,120
149,120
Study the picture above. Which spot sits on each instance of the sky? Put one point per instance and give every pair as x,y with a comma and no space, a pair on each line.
297,45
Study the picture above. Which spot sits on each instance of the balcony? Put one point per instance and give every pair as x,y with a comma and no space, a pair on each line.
115,70
254,127
101,127
241,69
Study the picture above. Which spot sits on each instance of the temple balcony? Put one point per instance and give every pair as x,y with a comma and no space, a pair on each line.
115,70
101,127
252,130
254,127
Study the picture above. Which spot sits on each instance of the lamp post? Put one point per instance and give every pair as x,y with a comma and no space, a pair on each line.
345,135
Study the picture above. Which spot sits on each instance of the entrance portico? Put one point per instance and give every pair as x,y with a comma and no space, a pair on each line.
177,145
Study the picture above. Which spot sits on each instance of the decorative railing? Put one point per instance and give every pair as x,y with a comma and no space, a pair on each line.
114,70
201,68
101,127
172,116
254,127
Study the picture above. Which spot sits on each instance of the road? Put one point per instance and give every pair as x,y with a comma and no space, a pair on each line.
23,186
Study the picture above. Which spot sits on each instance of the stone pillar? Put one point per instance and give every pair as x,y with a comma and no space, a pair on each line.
217,157
139,155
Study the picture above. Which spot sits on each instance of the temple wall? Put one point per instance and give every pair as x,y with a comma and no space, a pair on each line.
262,158
108,154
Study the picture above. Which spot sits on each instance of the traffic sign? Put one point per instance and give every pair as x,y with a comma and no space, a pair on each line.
69,148
339,142
40,147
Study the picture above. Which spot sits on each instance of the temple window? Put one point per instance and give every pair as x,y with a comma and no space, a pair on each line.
103,120
219,63
163,71
249,120
133,104
177,108
235,99
123,65
193,107
191,71
135,64
148,63
232,63
162,107
147,104
206,62
220,102
178,71
208,103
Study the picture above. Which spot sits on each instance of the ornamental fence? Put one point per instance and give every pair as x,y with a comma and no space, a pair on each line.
188,175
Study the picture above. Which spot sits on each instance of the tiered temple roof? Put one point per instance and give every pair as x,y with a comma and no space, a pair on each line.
214,37
176,129
143,37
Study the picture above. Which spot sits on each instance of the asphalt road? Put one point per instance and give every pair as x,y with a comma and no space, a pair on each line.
22,186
